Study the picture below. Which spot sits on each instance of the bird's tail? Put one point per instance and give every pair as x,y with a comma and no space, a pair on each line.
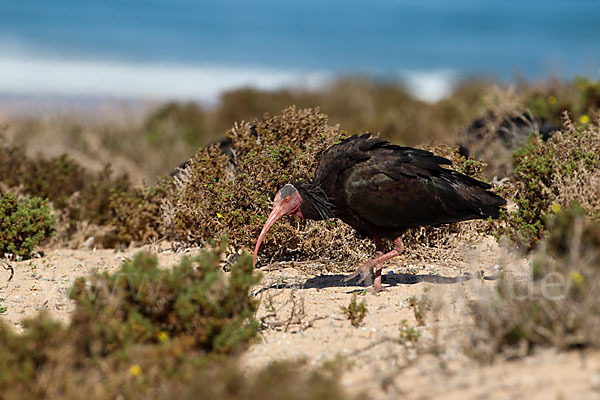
488,204
473,199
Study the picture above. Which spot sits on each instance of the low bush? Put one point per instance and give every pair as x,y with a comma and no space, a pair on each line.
551,175
23,356
137,212
141,303
85,198
580,98
41,363
216,195
23,224
174,122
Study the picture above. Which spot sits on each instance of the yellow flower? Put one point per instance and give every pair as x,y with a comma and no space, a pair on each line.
219,215
135,370
577,278
162,336
555,208
584,119
551,100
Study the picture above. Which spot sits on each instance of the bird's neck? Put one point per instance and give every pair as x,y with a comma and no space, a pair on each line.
315,202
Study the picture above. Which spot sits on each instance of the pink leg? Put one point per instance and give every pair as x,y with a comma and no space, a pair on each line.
378,253
378,261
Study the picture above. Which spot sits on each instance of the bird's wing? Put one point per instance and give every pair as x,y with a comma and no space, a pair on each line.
401,187
359,148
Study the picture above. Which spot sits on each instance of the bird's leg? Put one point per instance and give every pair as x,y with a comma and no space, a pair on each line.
377,287
378,261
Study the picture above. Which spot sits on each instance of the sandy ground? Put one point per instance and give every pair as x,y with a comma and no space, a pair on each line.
301,311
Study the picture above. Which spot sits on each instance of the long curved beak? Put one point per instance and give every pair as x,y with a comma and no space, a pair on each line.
276,213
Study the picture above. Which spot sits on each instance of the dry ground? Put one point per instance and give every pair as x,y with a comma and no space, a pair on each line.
301,309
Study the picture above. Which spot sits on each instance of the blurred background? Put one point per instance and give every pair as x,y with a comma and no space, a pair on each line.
178,73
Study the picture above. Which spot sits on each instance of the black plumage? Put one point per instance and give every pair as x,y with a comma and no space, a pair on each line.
381,190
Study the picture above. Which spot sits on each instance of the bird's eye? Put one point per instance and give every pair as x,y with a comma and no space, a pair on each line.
287,198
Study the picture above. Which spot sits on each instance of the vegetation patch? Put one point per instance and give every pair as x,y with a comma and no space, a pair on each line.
42,363
580,98
409,334
141,303
137,212
218,195
550,176
82,198
355,312
557,305
23,224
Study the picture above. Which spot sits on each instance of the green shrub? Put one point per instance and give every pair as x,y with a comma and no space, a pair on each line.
550,176
22,356
41,364
78,193
23,224
138,214
55,179
94,201
11,163
193,303
559,305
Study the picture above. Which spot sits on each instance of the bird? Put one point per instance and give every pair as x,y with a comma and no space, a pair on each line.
381,190
495,136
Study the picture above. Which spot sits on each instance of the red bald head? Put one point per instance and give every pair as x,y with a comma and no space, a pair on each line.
287,201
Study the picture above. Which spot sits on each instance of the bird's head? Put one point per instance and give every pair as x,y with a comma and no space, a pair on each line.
287,201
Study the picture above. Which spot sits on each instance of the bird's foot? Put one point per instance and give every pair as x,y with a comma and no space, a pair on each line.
365,270
377,289
377,286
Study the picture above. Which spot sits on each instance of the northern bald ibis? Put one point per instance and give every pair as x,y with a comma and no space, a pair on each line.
381,190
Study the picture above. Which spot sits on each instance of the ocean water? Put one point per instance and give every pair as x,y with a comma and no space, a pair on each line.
186,49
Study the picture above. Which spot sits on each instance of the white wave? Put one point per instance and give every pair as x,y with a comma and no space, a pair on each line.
429,86
26,75
55,77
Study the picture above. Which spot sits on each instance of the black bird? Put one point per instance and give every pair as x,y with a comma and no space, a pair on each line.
495,136
381,190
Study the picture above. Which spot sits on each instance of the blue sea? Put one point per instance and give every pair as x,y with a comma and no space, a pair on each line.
185,49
